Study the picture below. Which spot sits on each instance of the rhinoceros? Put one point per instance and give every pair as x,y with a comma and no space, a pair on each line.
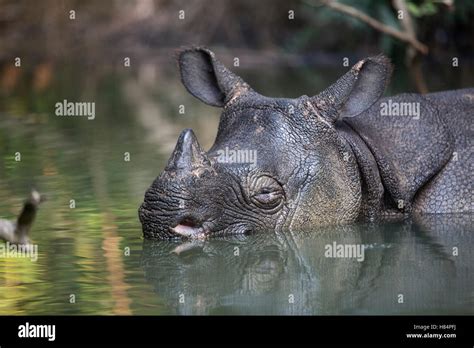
343,155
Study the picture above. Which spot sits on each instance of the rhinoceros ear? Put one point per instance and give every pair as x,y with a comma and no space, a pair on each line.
357,90
207,79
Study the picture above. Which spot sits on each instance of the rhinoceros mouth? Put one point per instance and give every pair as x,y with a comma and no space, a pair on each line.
191,227
190,231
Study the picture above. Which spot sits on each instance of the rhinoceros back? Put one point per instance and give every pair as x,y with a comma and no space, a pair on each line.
450,190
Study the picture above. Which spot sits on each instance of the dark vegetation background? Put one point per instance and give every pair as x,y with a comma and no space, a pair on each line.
258,32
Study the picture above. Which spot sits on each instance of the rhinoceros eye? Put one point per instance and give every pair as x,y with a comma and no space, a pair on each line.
267,193
268,198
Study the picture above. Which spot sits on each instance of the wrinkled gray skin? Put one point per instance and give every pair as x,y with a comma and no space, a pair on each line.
328,159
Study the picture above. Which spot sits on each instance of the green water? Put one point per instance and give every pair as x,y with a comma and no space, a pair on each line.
92,258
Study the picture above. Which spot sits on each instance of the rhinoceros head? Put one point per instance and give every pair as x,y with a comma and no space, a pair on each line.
276,163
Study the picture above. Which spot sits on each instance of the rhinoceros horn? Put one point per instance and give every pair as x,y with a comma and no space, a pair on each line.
188,156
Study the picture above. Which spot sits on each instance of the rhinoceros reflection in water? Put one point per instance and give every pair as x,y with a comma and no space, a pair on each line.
415,267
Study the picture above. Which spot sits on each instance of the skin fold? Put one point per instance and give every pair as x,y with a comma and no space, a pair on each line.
333,158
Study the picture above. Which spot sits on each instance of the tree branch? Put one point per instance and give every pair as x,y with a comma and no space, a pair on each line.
412,58
353,12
